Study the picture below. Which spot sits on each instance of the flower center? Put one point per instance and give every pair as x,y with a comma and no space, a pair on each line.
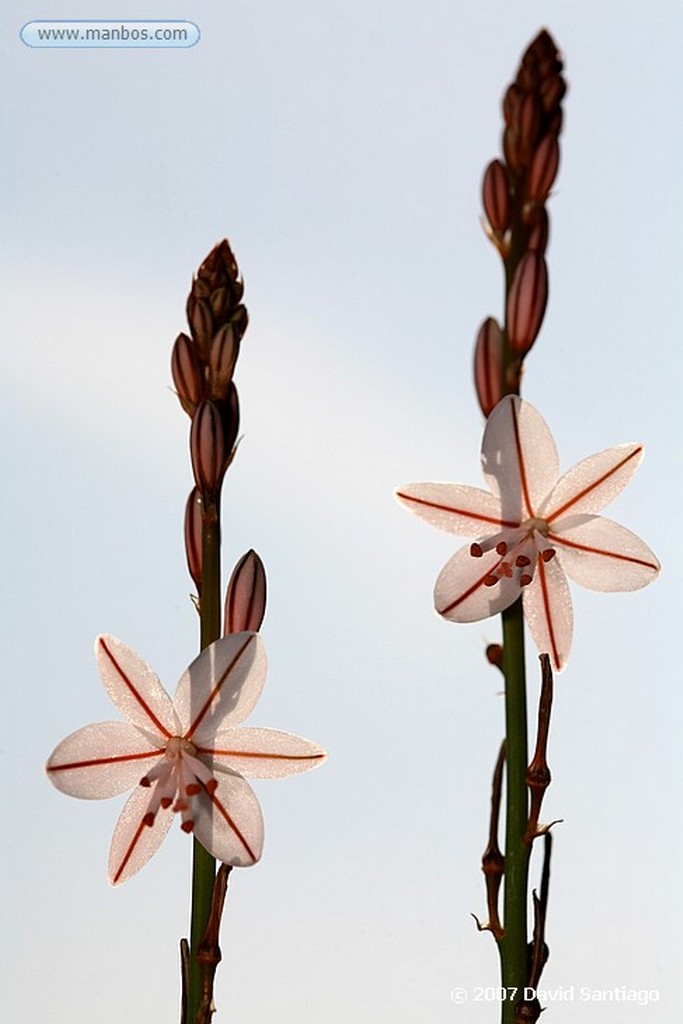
176,780
519,549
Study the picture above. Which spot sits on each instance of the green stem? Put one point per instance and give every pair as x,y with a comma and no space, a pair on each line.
203,864
513,944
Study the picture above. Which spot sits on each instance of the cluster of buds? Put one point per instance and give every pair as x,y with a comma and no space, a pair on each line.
514,192
203,364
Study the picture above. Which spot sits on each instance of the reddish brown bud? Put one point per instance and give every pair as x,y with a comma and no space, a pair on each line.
222,359
245,598
200,320
230,417
526,302
551,91
540,230
496,196
187,374
494,655
543,170
529,122
207,447
511,102
193,536
512,149
488,365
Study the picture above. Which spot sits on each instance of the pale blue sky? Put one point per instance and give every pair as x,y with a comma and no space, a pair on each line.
340,148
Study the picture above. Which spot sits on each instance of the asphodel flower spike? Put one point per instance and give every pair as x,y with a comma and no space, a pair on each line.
185,755
532,528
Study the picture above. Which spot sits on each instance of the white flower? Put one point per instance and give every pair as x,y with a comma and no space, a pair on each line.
182,755
531,516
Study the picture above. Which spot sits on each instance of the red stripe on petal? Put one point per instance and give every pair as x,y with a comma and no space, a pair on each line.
257,754
563,542
127,682
596,483
103,760
520,459
228,820
129,852
217,688
468,593
457,511
543,583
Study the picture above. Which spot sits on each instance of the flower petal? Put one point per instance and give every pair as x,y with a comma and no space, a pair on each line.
593,483
134,688
519,457
263,753
101,760
460,594
228,822
603,555
221,686
134,842
548,612
468,511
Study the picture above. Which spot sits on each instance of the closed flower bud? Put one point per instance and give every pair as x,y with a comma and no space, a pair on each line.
496,196
230,418
526,302
222,359
200,319
511,101
551,91
245,598
512,149
193,537
529,123
488,365
187,374
207,447
543,169
537,217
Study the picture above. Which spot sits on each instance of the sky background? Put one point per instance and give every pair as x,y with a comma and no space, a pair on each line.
340,148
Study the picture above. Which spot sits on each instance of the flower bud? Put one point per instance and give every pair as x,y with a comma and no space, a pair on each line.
187,374
526,302
551,91
230,418
543,169
245,597
207,447
537,217
488,365
193,536
200,320
529,122
222,359
496,196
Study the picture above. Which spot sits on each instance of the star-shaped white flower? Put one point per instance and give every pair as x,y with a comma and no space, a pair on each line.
532,528
183,755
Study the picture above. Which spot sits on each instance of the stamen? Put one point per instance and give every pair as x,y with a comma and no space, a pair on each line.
522,561
490,581
148,819
525,579
475,550
548,554
502,548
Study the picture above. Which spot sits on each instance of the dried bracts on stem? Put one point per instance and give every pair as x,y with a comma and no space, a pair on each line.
515,189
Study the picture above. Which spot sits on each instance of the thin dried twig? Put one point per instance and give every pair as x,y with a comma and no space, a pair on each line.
493,861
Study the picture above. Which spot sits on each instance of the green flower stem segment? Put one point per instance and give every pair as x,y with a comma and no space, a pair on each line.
513,944
204,865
